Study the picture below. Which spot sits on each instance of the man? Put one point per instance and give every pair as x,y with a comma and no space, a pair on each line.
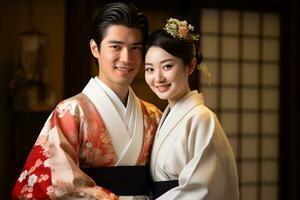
91,142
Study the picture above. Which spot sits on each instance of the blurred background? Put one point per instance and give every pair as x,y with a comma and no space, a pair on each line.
251,48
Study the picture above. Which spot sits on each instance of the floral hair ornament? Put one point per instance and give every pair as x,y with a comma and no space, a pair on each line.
180,29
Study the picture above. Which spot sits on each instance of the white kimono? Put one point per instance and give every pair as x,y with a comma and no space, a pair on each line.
86,131
190,146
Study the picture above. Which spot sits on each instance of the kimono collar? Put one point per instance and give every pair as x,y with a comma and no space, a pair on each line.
183,106
113,97
126,135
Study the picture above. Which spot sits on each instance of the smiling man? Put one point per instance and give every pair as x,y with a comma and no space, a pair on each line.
96,144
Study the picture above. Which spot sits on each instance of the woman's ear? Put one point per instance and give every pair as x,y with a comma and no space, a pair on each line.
94,48
191,66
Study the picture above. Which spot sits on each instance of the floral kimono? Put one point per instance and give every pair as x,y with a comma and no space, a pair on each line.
86,131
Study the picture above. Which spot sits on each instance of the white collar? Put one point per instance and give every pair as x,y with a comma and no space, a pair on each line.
113,97
127,142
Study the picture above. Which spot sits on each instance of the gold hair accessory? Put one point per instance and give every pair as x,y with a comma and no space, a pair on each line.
180,29
203,68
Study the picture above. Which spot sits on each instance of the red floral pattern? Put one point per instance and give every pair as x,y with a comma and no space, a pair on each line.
35,180
83,141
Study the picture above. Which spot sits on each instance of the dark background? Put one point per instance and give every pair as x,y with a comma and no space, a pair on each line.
78,15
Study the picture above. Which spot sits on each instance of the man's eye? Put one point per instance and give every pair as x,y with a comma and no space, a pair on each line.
116,47
137,48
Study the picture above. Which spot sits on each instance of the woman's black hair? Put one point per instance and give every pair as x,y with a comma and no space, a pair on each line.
185,49
118,14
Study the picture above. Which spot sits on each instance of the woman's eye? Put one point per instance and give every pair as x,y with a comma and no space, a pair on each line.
148,69
167,66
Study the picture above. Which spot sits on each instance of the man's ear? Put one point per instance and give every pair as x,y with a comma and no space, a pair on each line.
191,66
94,48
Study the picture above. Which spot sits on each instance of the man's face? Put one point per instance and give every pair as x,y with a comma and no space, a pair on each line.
120,56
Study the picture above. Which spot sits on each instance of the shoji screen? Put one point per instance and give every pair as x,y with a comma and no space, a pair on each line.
241,50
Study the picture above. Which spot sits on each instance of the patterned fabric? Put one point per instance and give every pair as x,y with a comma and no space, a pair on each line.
74,137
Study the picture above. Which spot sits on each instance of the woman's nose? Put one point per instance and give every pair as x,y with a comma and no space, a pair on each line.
159,77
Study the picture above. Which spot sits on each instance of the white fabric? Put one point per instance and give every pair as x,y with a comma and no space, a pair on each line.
113,97
191,146
136,130
62,169
127,148
125,112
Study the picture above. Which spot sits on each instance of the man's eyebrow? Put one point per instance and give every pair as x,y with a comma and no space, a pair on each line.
137,43
115,42
120,42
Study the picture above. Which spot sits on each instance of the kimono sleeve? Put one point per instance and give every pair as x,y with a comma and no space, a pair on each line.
198,176
52,168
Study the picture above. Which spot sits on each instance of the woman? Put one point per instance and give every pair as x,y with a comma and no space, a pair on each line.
191,157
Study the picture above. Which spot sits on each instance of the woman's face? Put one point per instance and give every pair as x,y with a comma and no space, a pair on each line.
166,75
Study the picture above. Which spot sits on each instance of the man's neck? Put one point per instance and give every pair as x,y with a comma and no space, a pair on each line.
122,94
120,91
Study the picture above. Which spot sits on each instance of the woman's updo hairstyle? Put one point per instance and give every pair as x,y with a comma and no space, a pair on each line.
177,41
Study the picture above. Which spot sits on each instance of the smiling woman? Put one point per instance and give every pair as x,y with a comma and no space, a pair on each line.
166,75
191,156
